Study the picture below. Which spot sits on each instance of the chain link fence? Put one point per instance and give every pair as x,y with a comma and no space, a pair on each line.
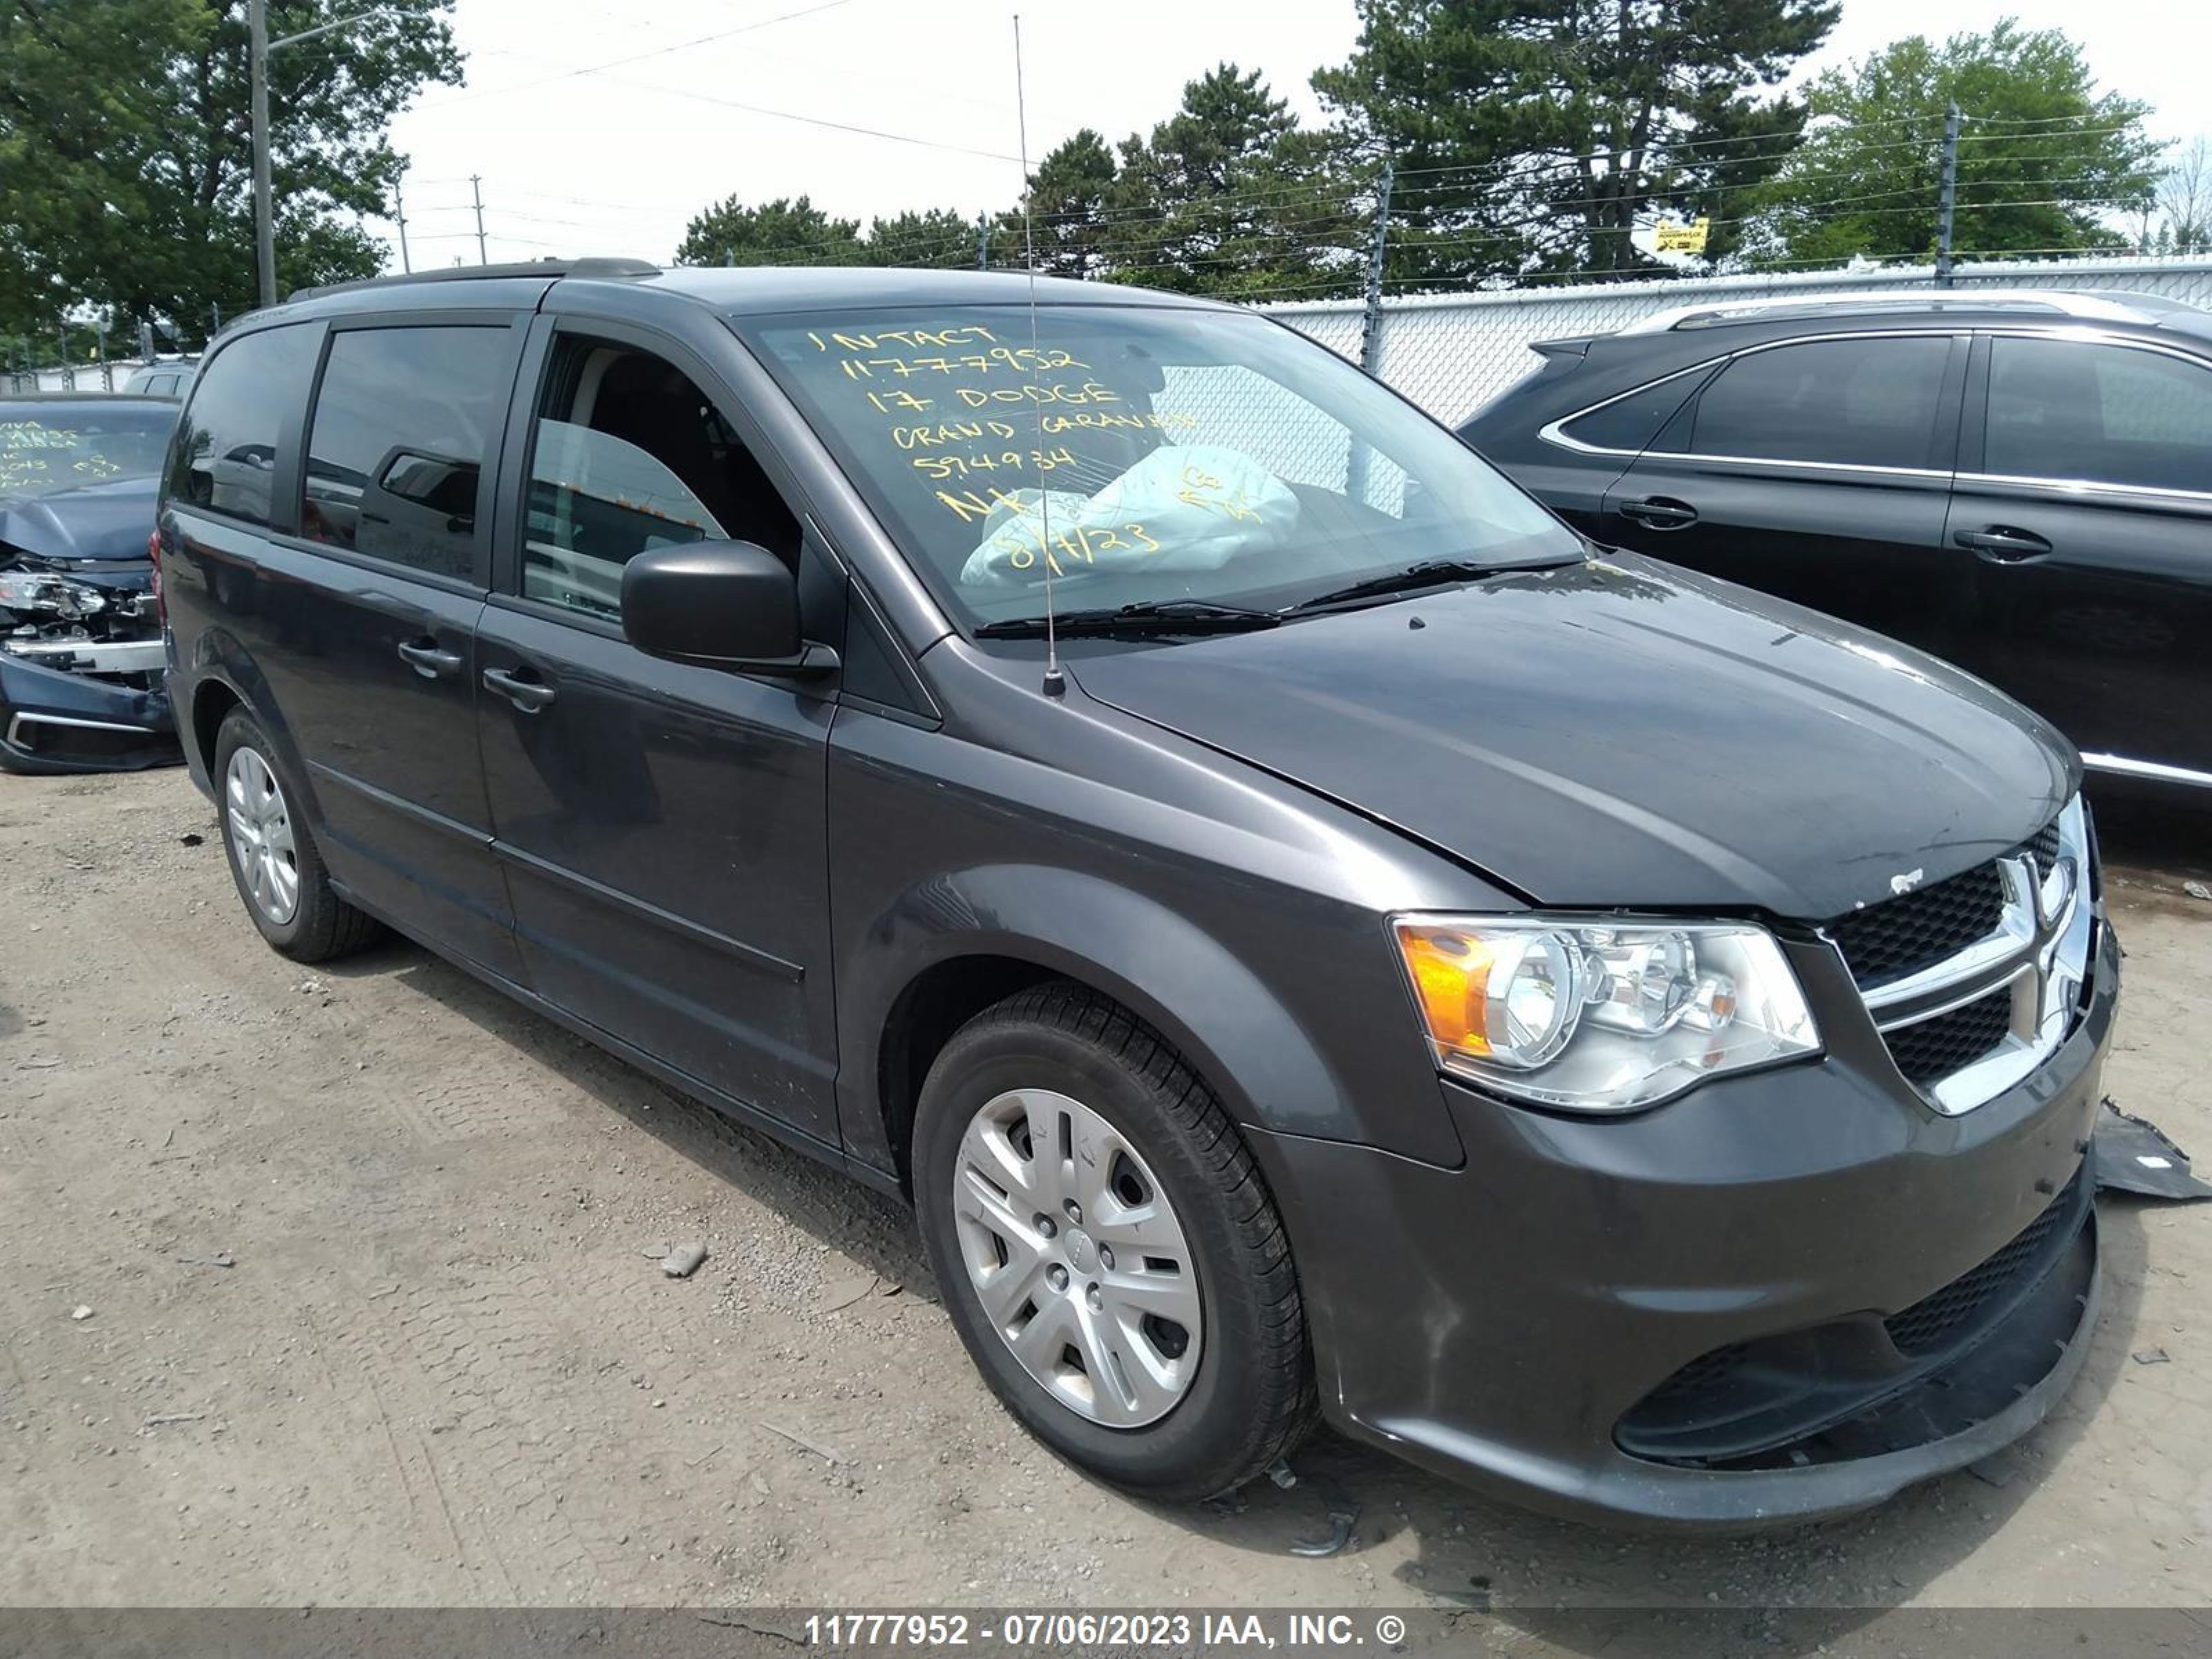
1452,353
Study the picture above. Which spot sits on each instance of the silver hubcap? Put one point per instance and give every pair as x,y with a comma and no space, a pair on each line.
1078,1257
261,836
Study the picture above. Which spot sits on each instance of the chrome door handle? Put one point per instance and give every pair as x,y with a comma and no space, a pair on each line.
528,695
2003,544
430,659
1658,513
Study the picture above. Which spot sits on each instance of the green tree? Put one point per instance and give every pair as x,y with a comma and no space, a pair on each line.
1228,196
936,239
1533,136
125,146
783,232
2045,160
1066,211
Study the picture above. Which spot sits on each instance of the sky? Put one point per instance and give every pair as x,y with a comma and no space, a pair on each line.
598,126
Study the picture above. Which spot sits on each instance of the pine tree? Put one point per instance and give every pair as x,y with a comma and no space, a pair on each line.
1533,137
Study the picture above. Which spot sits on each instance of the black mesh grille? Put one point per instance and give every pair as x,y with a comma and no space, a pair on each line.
1936,1047
1901,936
1929,1325
1701,1375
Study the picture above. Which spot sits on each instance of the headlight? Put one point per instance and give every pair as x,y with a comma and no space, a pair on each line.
25,586
1599,1016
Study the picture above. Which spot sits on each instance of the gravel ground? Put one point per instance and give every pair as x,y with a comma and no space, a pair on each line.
444,1367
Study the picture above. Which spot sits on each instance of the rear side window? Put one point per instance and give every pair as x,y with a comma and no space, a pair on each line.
2066,409
1630,423
401,433
1852,402
225,451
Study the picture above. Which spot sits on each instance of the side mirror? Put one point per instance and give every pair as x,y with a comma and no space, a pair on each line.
720,604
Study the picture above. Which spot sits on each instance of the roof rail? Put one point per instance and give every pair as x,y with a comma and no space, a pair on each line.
2090,305
555,268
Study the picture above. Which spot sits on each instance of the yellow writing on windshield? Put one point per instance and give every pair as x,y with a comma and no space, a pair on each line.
950,431
1089,392
956,466
934,338
960,402
1020,360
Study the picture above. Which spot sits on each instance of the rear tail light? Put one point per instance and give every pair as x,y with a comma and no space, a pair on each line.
153,555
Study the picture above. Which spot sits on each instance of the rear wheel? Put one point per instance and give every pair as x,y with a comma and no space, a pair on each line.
273,858
1106,1249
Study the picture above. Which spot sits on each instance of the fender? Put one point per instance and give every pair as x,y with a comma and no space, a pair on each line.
1181,980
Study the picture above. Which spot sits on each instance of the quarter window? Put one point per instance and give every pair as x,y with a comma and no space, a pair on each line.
401,429
2065,409
1630,424
630,455
226,452
1850,402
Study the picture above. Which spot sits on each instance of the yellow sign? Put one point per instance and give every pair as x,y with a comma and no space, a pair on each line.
1684,238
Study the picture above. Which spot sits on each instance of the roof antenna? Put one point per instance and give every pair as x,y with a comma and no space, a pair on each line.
1055,684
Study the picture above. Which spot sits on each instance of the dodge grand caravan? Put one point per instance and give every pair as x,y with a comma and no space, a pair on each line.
1312,936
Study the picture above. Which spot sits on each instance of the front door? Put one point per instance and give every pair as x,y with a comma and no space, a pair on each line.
1816,470
663,826
2085,497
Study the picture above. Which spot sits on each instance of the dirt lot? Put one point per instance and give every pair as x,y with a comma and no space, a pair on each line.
444,1370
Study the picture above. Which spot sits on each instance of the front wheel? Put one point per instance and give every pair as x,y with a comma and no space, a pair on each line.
1107,1249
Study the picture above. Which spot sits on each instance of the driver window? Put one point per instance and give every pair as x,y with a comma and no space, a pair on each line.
629,454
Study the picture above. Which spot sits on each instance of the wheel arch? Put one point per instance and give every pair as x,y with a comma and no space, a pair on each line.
221,675
212,700
944,952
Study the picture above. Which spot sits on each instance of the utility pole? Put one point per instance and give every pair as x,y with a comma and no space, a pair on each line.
982,238
399,218
1950,198
258,46
477,193
265,224
1357,462
1370,327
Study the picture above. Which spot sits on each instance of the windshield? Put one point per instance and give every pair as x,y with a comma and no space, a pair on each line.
45,447
1138,456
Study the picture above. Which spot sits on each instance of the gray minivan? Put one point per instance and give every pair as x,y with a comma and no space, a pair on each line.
1312,936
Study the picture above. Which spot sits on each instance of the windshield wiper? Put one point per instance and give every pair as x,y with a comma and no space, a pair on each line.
1429,573
1145,616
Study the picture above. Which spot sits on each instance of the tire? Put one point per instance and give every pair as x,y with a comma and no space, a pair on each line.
1114,1398
264,835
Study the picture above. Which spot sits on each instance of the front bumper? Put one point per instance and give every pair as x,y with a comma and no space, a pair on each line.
1498,1322
54,720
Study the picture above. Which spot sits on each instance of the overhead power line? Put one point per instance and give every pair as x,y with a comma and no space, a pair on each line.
641,57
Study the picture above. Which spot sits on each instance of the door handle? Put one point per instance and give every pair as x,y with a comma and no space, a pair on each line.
2003,544
528,695
430,659
1659,512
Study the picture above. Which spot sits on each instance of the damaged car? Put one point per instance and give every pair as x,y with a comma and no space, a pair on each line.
81,656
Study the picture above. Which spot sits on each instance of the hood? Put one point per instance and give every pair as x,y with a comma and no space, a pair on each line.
1622,734
103,521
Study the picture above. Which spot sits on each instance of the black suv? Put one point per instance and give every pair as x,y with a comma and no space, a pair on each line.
1310,937
2019,482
